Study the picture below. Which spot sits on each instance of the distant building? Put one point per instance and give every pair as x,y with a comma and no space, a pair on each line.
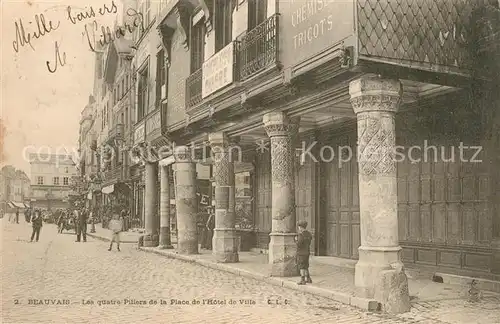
51,178
14,187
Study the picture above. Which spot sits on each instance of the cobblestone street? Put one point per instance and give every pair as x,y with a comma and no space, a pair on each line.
90,279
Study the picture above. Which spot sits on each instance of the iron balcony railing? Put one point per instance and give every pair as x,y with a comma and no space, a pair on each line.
113,175
116,132
258,48
193,89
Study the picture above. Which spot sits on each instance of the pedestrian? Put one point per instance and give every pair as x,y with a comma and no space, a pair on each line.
27,214
61,222
81,224
17,216
37,223
116,226
304,239
210,226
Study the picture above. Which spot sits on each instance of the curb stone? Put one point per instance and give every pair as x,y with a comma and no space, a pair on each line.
359,302
105,239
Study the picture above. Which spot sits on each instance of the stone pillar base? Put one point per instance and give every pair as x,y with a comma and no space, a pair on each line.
282,255
225,245
391,291
187,242
165,242
150,240
373,260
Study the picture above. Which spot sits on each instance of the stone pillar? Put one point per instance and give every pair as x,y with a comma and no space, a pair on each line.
282,246
225,241
186,202
152,221
375,102
165,241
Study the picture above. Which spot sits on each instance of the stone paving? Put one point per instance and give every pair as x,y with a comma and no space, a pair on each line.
39,279
333,277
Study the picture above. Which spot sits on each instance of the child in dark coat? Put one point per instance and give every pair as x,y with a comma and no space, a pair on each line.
304,239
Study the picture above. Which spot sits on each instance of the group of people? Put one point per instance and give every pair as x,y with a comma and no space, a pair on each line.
78,217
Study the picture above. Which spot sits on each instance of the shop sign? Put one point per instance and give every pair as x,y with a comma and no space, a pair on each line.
217,71
139,134
153,123
308,27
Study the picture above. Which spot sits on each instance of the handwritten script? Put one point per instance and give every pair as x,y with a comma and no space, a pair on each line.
27,31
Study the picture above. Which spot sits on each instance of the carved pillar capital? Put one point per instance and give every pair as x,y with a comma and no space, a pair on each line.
182,154
218,140
279,124
374,93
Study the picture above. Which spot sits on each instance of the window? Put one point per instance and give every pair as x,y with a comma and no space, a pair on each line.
197,44
65,181
66,170
223,23
163,5
39,180
145,9
56,181
142,93
161,75
257,12
123,88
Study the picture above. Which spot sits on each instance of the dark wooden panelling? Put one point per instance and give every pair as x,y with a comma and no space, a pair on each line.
264,198
341,198
450,259
477,261
425,256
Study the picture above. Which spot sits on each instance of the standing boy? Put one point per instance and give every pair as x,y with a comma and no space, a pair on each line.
303,246
116,226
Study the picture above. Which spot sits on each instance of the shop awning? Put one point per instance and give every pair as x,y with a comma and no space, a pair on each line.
26,205
14,204
109,189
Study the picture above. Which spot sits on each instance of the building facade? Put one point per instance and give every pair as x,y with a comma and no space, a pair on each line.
14,187
52,177
377,124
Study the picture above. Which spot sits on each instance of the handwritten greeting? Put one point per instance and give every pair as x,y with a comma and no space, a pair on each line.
43,26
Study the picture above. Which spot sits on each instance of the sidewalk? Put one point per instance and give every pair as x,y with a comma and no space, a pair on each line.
333,278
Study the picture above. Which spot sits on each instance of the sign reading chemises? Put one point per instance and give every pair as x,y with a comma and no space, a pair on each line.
308,27
217,71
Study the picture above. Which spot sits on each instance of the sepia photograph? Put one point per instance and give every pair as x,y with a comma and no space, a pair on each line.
250,161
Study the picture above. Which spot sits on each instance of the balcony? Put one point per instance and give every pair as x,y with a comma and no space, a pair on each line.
113,175
116,132
193,89
251,53
258,48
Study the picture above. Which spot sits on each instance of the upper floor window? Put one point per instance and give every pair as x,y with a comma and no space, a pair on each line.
223,17
163,5
197,42
65,181
145,10
56,181
257,12
66,170
142,93
39,180
161,76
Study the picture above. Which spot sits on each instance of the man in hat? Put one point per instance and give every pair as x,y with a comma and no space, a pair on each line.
304,239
